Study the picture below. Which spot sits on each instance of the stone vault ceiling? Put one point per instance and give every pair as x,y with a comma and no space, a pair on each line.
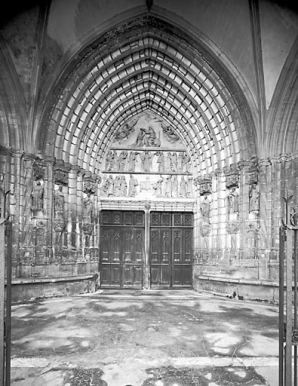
147,65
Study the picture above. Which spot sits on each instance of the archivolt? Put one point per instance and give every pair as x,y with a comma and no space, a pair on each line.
148,66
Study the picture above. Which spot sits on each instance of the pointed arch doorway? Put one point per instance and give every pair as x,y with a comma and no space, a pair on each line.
140,249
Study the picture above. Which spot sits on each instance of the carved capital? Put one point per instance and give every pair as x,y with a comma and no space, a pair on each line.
204,184
232,176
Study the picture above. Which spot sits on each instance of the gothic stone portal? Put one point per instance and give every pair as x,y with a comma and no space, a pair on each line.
123,251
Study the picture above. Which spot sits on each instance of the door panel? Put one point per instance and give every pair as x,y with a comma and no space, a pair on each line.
122,249
171,238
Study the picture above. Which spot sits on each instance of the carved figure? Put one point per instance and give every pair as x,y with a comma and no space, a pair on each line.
170,134
124,132
173,162
111,160
123,186
111,186
132,161
186,163
146,158
174,186
88,205
37,196
180,162
122,160
189,191
254,198
168,160
140,137
105,187
59,200
233,201
132,186
183,187
158,187
160,161
205,207
117,186
151,138
168,190
147,137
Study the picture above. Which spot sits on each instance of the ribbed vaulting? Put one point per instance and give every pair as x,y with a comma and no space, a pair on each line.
154,69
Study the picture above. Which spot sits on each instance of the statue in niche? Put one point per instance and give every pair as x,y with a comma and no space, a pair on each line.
254,198
122,160
186,163
205,207
110,186
132,161
183,187
111,160
59,200
132,186
88,205
233,204
160,161
146,158
189,192
37,195
170,134
173,162
174,186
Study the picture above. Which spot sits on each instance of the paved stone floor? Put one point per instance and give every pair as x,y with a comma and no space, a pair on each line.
144,338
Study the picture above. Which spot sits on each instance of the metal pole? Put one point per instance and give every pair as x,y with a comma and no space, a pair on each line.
295,304
289,305
2,294
281,304
8,301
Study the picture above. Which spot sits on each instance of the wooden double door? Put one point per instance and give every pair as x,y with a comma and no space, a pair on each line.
138,248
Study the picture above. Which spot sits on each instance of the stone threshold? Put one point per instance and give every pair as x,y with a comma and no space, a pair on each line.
269,361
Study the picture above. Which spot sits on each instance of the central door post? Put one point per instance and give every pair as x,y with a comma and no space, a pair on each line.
146,270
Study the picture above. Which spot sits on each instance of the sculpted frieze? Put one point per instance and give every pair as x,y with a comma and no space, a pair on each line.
133,185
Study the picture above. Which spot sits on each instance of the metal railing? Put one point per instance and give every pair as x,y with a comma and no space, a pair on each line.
288,276
5,296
